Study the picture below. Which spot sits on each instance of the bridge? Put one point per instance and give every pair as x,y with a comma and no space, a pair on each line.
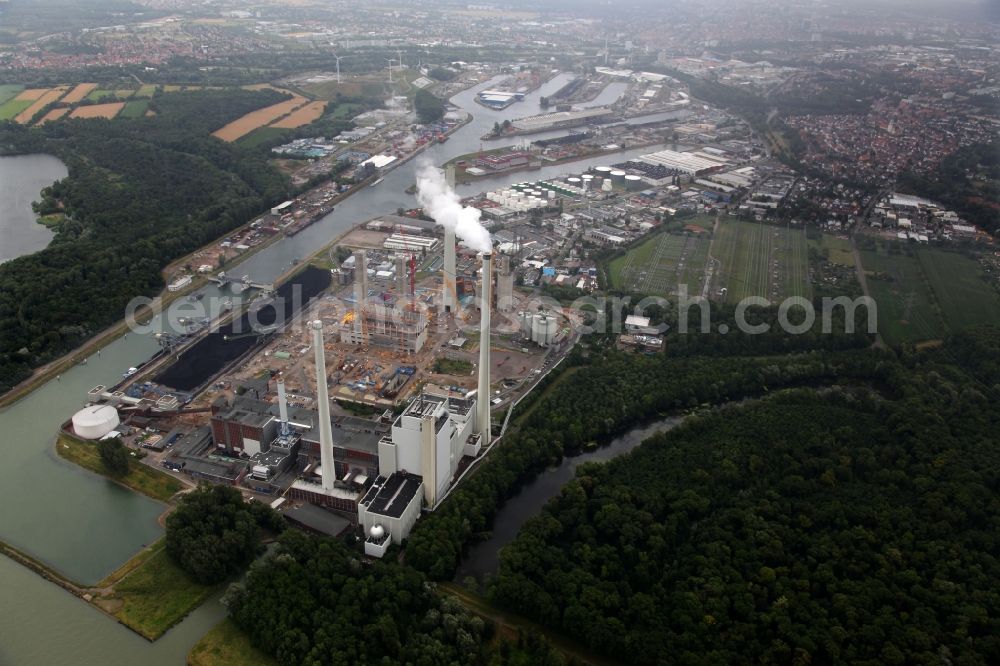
239,284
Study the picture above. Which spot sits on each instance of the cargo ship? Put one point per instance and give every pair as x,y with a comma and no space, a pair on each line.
299,225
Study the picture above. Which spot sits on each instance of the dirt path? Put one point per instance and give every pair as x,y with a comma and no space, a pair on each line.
862,279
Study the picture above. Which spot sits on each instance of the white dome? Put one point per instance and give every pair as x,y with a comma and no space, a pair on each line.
376,532
95,421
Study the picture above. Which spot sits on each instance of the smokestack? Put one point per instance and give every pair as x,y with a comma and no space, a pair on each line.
282,406
483,399
449,292
360,287
325,428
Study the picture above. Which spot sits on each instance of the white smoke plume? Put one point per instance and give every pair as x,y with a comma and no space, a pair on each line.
441,203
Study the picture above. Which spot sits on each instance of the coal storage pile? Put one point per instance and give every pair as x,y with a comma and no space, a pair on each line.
215,351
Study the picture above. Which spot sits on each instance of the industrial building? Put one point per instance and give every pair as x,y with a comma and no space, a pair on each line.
398,329
692,164
498,99
563,119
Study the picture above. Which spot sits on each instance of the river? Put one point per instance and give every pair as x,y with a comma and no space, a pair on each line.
484,557
21,179
85,526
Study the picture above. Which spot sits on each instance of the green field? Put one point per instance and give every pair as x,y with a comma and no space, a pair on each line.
146,90
225,645
9,91
134,109
12,107
760,260
924,293
140,478
97,95
260,135
660,264
837,249
965,296
156,596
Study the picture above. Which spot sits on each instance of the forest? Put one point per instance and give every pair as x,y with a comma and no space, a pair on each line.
597,397
855,524
314,601
140,193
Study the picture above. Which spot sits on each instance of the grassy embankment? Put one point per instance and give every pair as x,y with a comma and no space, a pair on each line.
140,478
153,594
224,645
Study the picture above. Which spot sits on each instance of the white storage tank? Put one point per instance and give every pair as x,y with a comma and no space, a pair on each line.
606,186
543,329
95,421
525,323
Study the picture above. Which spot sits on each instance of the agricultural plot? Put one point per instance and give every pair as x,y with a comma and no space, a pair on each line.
924,293
13,107
9,91
135,109
79,92
662,263
907,311
98,95
259,118
965,296
32,94
836,249
302,116
54,114
260,135
40,103
98,110
760,260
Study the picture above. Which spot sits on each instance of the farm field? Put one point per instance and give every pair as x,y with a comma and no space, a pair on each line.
302,116
924,293
662,263
98,110
259,118
907,311
9,91
760,260
32,94
12,107
839,249
79,92
135,109
98,95
965,296
260,135
40,103
54,114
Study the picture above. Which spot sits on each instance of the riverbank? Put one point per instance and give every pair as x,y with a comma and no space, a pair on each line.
141,478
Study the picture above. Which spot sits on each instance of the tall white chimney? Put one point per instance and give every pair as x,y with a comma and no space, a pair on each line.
360,288
282,406
323,399
483,396
449,295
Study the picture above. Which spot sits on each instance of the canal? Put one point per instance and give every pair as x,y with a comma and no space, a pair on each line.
484,557
85,526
